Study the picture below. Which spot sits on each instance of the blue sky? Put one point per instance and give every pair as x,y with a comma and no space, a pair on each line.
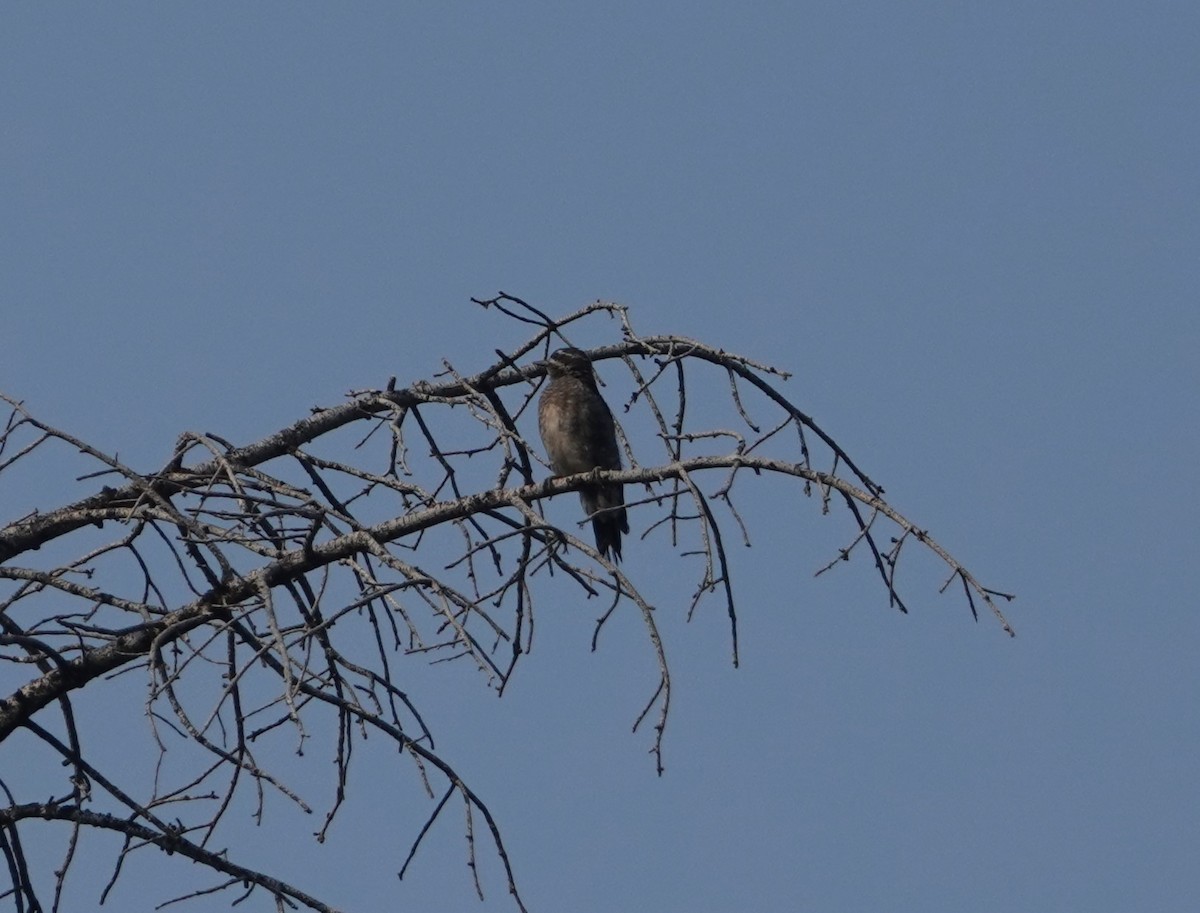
971,231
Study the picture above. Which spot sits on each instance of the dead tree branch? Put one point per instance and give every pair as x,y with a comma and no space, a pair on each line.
279,591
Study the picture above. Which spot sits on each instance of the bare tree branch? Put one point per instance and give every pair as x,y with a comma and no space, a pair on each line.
275,591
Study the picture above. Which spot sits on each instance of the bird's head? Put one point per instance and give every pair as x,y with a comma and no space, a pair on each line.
569,362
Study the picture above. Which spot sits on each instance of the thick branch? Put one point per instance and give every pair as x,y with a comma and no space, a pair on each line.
297,562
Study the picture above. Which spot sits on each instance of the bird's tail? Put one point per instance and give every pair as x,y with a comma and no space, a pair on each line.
608,525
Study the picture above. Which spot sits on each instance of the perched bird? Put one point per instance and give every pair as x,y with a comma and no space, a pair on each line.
579,435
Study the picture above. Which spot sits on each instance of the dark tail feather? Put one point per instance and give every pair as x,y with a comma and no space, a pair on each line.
607,526
608,534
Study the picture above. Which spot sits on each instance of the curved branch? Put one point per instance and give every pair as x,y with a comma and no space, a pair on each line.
170,842
298,562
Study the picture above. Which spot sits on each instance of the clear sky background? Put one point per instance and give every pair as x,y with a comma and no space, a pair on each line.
971,230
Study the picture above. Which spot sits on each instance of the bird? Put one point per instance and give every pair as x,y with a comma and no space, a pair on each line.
579,435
